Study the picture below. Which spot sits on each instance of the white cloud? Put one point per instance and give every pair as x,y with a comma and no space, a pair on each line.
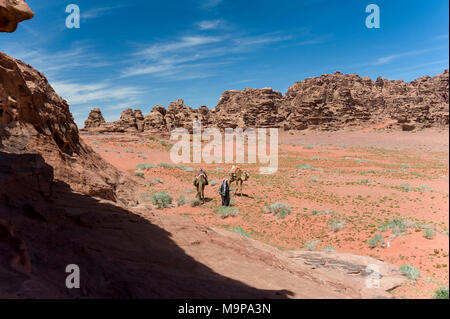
76,93
184,43
58,63
209,4
210,24
195,56
392,57
98,12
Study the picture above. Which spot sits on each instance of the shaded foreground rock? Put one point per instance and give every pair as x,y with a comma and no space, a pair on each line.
35,120
329,102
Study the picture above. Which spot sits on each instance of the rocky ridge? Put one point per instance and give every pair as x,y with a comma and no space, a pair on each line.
329,102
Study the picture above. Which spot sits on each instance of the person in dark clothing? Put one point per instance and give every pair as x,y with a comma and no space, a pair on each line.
224,192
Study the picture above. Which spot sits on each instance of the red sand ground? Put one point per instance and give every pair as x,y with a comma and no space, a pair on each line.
365,178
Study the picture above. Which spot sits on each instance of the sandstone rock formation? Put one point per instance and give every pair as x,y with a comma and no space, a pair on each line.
35,120
131,121
249,108
155,120
329,102
95,119
12,12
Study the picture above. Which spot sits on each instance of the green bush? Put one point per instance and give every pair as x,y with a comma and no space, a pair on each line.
397,225
186,168
225,212
213,183
181,201
166,165
155,181
240,231
280,210
145,166
323,212
375,240
441,293
429,234
410,271
336,225
161,199
307,166
329,248
141,175
311,245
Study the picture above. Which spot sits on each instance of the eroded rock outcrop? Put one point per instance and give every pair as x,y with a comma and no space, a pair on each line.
249,108
35,120
155,120
12,12
95,119
329,102
337,101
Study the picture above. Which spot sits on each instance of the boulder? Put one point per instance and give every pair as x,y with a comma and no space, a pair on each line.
12,12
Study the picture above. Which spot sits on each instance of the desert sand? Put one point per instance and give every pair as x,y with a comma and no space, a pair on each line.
368,179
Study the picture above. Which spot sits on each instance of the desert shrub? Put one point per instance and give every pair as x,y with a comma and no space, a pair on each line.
225,212
397,225
181,201
213,183
166,165
240,231
163,143
194,202
307,166
375,240
329,248
155,181
323,212
138,174
161,199
314,179
280,210
424,188
145,166
441,293
336,225
404,188
311,245
410,271
429,233
186,168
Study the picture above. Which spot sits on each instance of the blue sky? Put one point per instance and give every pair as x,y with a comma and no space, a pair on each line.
142,53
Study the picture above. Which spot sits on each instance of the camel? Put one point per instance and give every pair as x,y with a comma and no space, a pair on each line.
239,177
200,182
